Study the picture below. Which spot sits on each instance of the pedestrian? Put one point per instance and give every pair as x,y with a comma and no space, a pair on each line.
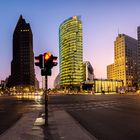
103,92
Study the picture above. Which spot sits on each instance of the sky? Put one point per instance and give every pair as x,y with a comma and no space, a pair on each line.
102,20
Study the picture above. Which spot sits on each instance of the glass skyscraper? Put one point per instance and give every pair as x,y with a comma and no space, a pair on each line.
71,53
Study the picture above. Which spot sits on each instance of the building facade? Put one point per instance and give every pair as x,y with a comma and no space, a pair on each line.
71,53
138,36
107,85
102,85
22,65
88,72
57,82
2,85
125,60
111,71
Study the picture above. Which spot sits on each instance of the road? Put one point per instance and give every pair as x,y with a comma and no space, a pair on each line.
107,117
11,109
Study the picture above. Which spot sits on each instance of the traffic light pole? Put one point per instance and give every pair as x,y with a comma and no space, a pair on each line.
46,100
46,62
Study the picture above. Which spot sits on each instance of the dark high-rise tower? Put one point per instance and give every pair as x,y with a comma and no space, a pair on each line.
138,55
22,65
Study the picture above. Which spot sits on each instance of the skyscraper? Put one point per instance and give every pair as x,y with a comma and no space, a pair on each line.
71,53
125,60
22,65
138,35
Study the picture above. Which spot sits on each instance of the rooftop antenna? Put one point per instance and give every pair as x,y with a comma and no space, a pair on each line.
118,31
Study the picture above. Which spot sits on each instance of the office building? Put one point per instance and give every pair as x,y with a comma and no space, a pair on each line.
22,65
107,85
138,55
88,72
100,85
111,71
71,53
125,60
57,81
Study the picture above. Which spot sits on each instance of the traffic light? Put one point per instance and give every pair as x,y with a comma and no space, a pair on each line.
39,61
46,62
54,59
49,62
47,72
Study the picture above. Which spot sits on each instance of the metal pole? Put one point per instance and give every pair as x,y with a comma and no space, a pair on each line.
42,82
46,100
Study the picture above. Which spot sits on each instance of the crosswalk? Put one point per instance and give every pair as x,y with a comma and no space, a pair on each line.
89,105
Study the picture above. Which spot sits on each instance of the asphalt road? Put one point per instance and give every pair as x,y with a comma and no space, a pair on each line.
11,109
107,117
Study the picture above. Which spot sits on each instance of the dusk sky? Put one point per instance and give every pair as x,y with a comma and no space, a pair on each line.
101,19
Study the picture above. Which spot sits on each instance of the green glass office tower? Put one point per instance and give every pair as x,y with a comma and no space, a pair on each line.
71,53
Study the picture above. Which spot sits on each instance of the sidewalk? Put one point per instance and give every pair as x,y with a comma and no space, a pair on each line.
24,129
61,127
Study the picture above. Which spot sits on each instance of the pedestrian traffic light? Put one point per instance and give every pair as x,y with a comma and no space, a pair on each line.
39,61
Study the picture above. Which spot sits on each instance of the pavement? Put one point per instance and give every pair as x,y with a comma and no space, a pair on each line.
61,126
24,128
